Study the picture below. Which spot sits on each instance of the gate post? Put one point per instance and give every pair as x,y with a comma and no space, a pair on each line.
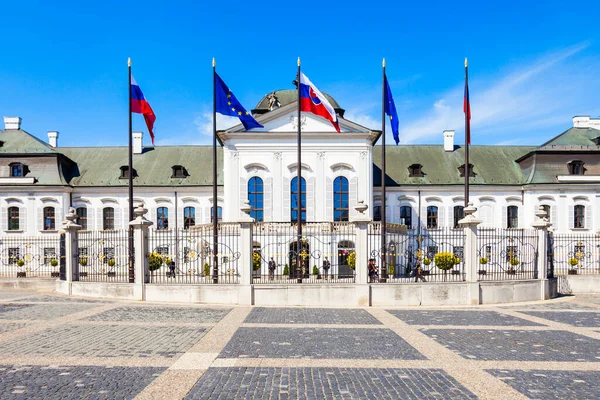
541,225
71,248
469,224
361,224
246,289
140,227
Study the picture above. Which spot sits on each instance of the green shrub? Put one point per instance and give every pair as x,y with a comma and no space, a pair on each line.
483,261
286,270
514,262
426,261
255,261
444,260
20,262
111,262
155,260
83,262
573,262
352,260
315,270
206,269
54,262
391,268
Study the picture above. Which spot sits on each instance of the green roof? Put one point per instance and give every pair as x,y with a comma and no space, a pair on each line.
574,137
100,166
492,165
17,141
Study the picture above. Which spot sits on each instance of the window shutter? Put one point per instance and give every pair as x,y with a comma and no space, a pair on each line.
99,214
504,217
207,215
4,225
58,220
554,217
589,222
388,214
180,216
152,216
287,216
571,217
91,214
40,218
23,219
423,221
441,217
414,217
310,199
268,199
329,199
118,218
450,216
353,196
243,196
171,216
521,222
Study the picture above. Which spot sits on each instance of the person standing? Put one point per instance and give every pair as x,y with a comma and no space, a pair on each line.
272,267
326,266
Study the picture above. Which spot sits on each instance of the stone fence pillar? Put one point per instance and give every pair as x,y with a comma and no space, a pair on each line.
361,224
471,261
140,227
70,229
245,264
541,225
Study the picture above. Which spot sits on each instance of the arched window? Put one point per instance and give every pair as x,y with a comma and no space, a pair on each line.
49,224
255,197
108,218
189,217
13,218
406,216
459,213
432,217
162,218
340,199
219,214
377,213
512,217
579,217
82,217
294,200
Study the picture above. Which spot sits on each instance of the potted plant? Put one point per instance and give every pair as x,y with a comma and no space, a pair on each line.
573,262
445,261
315,271
155,260
206,269
286,270
256,261
426,262
20,264
54,262
351,260
513,263
457,261
482,261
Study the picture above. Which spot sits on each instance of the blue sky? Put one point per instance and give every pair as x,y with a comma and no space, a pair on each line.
531,66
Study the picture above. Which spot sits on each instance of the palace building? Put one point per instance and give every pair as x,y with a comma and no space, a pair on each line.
39,181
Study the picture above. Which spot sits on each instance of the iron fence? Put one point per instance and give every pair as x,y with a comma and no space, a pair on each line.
415,255
30,256
326,254
185,256
506,254
102,256
573,254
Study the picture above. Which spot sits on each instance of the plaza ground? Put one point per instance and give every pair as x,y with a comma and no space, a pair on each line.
56,347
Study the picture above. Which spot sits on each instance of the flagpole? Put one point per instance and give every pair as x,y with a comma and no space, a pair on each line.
467,132
383,188
215,204
131,269
299,274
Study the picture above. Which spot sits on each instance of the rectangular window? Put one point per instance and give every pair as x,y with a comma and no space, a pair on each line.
108,218
432,217
189,217
219,214
108,253
406,216
16,170
49,255
162,218
512,217
459,213
82,217
49,219
579,217
13,218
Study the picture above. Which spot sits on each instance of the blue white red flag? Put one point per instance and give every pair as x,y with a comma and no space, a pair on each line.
139,105
313,101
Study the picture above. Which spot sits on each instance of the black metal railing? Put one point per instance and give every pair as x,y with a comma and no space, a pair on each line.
30,256
326,253
102,256
506,254
185,256
415,255
573,254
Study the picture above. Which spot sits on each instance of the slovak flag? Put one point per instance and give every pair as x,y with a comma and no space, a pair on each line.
139,105
313,101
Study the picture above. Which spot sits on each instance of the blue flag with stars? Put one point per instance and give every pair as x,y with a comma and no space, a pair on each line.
227,104
390,110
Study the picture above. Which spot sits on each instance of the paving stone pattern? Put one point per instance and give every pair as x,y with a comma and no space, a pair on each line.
321,383
459,317
162,314
311,316
540,384
35,382
58,299
5,308
586,319
320,343
7,327
563,305
43,311
106,341
11,294
546,345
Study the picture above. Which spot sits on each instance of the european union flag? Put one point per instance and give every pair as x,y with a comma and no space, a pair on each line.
390,110
227,104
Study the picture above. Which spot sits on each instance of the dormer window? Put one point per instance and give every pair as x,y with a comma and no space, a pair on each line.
179,171
576,167
414,171
18,170
461,169
125,172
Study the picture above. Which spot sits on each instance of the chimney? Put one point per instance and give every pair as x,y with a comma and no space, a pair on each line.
581,121
53,138
137,142
12,123
448,140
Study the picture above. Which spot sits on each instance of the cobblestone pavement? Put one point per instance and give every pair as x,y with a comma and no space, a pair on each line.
57,347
